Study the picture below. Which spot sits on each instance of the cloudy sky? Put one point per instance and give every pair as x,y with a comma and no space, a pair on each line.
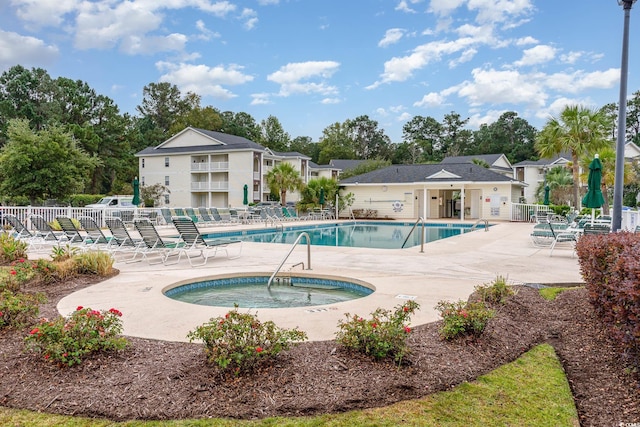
312,63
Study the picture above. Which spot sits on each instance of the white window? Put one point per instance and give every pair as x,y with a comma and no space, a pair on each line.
166,162
166,199
142,180
166,180
143,163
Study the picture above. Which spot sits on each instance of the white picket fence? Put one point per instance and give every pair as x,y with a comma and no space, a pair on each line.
99,215
526,212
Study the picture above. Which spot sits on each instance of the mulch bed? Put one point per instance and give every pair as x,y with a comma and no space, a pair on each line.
167,380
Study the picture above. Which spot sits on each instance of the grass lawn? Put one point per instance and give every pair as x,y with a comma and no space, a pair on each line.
531,391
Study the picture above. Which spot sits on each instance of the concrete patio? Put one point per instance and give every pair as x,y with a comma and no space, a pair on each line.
449,269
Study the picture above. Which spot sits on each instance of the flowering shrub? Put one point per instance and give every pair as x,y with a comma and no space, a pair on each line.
11,248
383,335
463,318
67,341
17,310
496,292
239,341
22,271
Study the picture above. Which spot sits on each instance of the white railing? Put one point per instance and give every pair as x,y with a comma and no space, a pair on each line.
98,214
256,176
217,166
219,185
204,185
526,212
209,166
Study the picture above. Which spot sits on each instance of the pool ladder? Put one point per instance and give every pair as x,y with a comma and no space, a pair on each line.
486,224
420,220
303,234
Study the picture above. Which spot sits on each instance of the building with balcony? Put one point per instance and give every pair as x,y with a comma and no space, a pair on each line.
206,168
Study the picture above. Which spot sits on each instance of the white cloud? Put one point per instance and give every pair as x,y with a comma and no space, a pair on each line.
536,55
404,117
526,41
202,79
331,101
495,11
44,12
445,7
250,18
25,50
149,45
430,100
291,76
503,87
391,36
579,81
267,2
403,6
260,99
487,117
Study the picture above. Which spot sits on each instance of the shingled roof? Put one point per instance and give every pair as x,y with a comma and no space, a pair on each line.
227,142
426,173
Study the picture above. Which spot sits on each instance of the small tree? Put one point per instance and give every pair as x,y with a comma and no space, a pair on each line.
42,165
152,194
283,178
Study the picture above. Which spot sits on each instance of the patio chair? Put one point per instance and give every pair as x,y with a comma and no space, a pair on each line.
45,231
195,242
563,236
192,214
166,215
71,230
20,232
597,228
154,244
204,214
96,239
123,240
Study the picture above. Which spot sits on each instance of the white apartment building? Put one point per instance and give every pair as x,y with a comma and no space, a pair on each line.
207,168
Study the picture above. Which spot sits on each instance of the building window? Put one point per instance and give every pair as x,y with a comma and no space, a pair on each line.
166,162
143,163
142,181
166,180
166,199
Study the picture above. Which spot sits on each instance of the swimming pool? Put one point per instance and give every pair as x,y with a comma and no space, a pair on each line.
369,234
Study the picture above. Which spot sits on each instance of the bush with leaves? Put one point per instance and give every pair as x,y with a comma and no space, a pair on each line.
24,271
382,336
18,310
496,292
66,341
238,342
94,262
463,318
11,248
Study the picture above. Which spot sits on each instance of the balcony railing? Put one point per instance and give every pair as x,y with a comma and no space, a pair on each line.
209,166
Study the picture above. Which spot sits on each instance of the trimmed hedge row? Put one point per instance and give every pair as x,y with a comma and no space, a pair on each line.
610,266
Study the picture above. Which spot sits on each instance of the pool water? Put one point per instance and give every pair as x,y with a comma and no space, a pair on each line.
382,235
252,292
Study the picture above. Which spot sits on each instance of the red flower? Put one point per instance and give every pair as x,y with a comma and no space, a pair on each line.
259,349
464,314
78,308
46,357
1,313
13,272
222,321
64,354
34,331
405,309
226,316
407,329
21,260
374,325
116,312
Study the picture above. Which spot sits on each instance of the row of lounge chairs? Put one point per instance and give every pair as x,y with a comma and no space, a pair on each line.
559,231
222,216
85,234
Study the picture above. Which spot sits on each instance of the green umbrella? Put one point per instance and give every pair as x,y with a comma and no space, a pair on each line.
245,198
321,199
136,191
546,195
593,199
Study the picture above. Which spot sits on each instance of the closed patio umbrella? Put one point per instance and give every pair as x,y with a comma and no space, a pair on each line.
321,198
594,199
245,198
546,195
136,191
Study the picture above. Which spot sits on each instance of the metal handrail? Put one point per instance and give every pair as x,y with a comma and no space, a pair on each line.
303,234
422,235
486,224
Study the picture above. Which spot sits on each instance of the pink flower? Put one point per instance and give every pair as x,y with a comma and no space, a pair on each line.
34,331
226,316
407,329
464,313
259,349
78,308
21,260
116,312
13,272
1,314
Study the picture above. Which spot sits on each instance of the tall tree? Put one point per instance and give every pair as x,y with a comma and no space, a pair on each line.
161,105
455,141
578,130
368,141
282,178
41,165
423,134
204,118
305,145
241,124
509,135
273,134
335,144
560,184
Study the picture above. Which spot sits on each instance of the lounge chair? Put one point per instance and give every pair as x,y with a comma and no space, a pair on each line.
597,228
154,244
196,243
45,231
563,236
166,215
72,232
21,232
204,214
96,239
122,238
191,214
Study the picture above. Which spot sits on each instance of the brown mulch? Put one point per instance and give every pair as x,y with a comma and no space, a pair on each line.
168,380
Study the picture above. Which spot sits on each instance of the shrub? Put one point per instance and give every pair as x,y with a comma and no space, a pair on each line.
61,253
17,310
67,341
382,336
496,292
94,262
239,341
22,271
611,270
463,318
11,248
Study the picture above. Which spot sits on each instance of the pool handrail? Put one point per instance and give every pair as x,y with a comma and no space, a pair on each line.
303,234
422,235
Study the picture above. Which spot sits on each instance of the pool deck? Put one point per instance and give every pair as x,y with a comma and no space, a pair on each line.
449,269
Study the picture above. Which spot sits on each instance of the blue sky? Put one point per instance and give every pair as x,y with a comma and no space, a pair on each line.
312,63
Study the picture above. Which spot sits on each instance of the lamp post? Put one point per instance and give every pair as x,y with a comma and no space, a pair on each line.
622,120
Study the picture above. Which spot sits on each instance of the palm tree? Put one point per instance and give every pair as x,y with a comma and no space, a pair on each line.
560,182
578,130
283,178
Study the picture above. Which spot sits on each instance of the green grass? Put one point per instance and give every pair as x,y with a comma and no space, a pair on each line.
531,391
552,292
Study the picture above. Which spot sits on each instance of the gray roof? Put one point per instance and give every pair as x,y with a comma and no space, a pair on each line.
345,164
395,174
290,154
229,142
489,158
544,162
